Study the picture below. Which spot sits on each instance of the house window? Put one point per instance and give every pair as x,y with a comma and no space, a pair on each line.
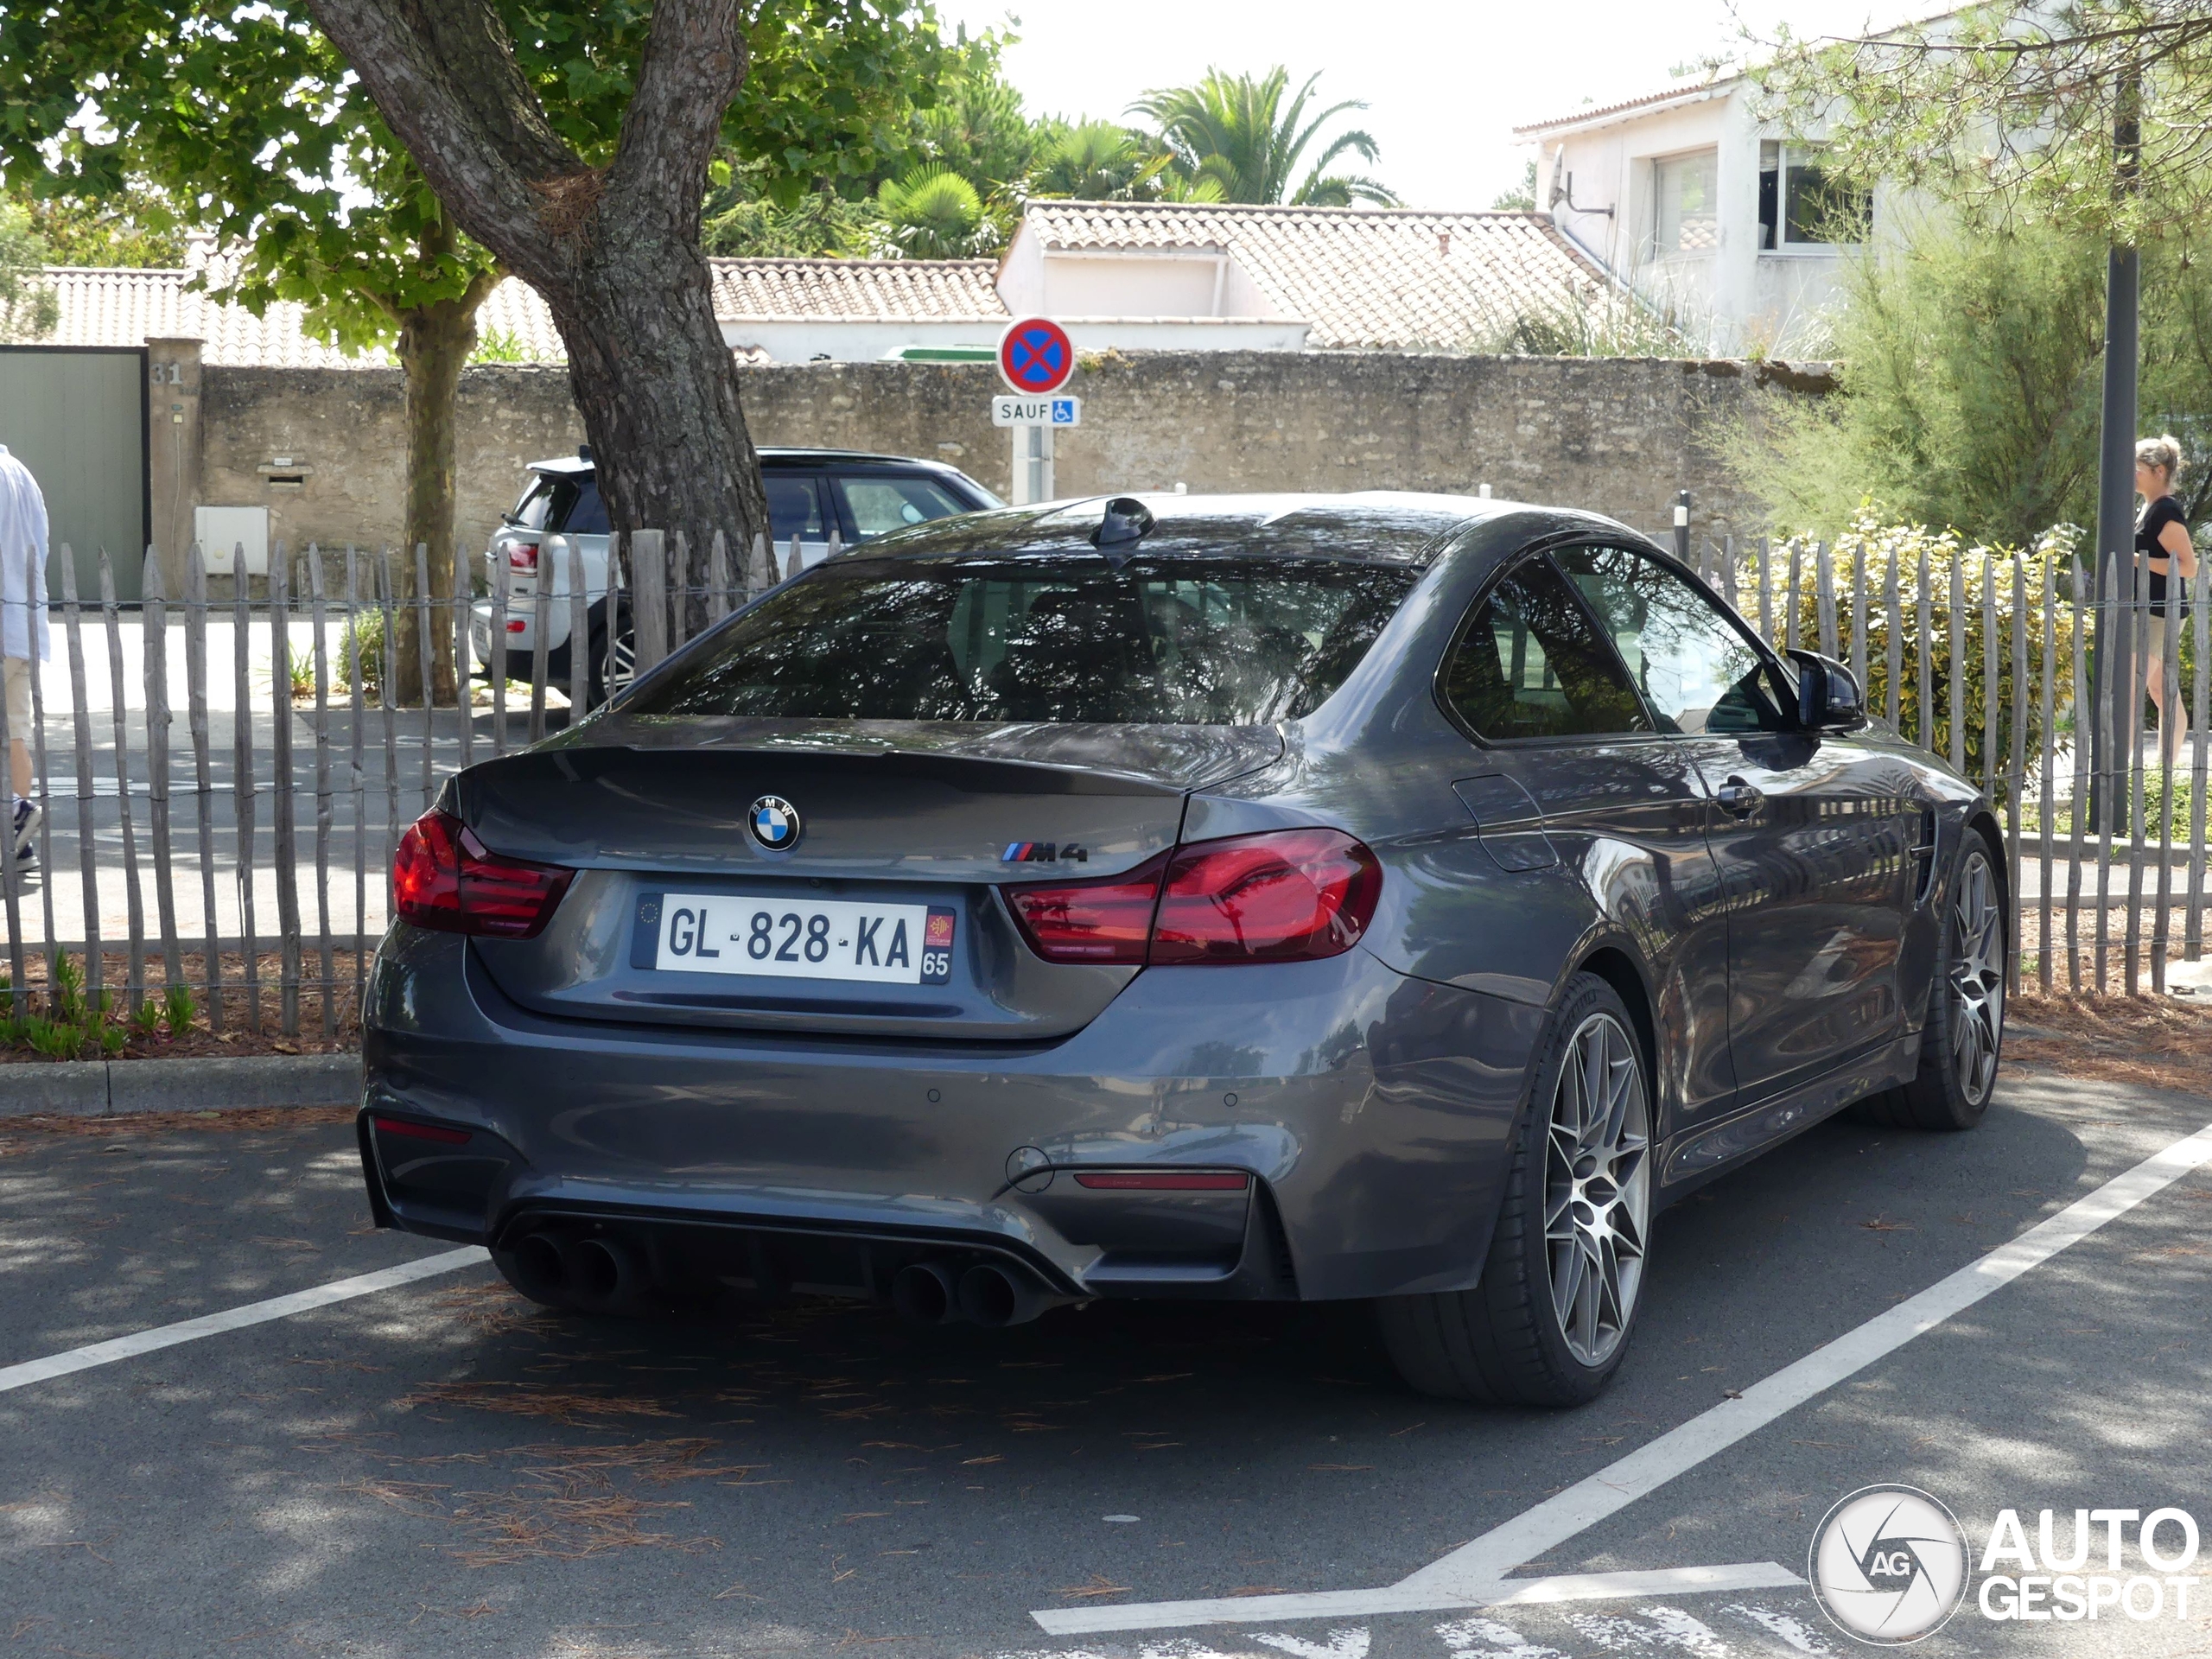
1688,218
1800,205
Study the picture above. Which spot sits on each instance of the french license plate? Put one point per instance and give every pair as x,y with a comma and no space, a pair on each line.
786,939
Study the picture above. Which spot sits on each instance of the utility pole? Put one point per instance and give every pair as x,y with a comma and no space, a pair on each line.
2115,563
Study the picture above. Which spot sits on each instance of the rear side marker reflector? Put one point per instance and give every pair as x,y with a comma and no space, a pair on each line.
1168,1181
421,1131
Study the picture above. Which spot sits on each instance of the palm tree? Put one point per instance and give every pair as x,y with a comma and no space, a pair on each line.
1237,131
934,214
1098,161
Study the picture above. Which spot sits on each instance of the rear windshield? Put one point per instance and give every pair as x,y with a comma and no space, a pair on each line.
1186,641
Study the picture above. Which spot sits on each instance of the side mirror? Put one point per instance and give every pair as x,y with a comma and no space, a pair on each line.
1828,697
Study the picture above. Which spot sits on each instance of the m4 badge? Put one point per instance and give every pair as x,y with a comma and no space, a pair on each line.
1044,852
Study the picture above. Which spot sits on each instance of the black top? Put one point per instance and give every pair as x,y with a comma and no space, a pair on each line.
2156,517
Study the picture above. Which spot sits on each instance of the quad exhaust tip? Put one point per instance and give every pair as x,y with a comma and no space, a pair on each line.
606,1273
937,1293
924,1293
598,1274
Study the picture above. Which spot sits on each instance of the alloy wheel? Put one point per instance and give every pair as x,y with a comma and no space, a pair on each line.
1597,1188
1977,978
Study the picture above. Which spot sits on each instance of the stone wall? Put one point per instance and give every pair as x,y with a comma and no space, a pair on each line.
1620,436
344,432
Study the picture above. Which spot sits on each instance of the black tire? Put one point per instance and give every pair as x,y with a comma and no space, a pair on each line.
1505,1342
1963,1036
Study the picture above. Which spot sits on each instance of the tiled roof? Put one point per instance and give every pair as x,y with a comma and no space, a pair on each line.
1599,112
904,290
128,308
1377,279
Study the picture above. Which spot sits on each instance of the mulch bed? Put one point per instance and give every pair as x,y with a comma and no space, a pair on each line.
236,1036
2157,1041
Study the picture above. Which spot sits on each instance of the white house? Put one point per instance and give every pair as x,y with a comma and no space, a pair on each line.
1721,222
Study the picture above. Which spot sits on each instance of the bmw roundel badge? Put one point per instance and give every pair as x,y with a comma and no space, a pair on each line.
775,824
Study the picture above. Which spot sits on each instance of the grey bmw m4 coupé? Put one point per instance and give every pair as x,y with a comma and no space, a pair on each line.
1398,897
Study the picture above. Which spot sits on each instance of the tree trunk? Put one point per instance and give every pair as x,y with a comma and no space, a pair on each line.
614,250
434,342
657,387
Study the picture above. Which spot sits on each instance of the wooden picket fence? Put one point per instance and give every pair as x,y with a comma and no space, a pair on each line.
177,867
246,858
2023,627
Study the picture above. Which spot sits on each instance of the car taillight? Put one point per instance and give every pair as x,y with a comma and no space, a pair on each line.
1289,896
523,556
442,877
1090,921
1285,895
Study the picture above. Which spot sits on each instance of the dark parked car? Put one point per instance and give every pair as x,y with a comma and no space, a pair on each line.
816,497
1381,896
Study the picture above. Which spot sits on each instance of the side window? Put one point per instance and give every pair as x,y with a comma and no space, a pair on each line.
1531,665
794,506
1696,667
586,514
877,505
536,500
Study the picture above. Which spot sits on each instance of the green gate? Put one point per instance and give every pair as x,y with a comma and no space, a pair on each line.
77,418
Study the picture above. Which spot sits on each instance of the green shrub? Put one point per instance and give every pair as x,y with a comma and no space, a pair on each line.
178,1007
72,1027
1914,554
366,630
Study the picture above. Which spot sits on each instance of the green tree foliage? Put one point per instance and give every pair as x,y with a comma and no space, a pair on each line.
1970,365
247,123
1521,199
138,230
822,225
27,307
2010,109
1239,132
976,128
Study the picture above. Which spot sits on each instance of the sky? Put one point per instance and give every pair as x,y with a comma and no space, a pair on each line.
1445,80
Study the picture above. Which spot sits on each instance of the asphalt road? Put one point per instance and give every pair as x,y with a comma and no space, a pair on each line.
440,1469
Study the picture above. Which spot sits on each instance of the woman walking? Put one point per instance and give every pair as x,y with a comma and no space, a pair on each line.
2162,541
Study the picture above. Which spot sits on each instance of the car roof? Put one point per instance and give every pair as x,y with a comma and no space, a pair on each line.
1388,526
576,466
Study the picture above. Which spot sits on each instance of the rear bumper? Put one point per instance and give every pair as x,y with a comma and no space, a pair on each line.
1370,1111
521,634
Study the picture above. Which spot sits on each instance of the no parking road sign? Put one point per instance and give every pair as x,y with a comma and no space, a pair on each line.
1036,357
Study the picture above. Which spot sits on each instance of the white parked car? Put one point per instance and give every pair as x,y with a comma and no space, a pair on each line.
811,493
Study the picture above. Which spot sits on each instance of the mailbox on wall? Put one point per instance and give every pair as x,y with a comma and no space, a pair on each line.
222,532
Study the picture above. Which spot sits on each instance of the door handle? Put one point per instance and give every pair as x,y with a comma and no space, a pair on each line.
1738,797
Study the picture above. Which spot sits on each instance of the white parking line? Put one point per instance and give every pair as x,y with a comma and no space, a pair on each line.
1474,1575
211,1325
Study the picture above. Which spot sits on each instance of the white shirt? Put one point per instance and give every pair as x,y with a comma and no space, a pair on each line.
22,558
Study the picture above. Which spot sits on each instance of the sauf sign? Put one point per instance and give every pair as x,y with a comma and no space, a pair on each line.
1036,411
1036,359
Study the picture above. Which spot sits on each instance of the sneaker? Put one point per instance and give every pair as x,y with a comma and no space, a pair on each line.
28,813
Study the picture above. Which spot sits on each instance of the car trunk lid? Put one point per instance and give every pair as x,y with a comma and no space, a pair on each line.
912,824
